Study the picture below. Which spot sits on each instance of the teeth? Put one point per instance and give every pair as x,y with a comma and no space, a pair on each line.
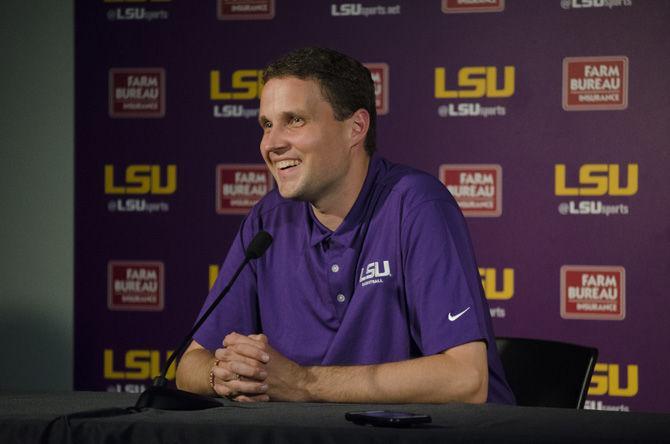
287,163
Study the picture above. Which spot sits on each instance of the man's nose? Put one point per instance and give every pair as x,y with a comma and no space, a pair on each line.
273,140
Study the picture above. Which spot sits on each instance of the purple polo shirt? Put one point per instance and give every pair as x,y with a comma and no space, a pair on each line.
396,280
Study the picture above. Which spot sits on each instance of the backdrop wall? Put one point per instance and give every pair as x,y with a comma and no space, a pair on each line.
37,194
546,119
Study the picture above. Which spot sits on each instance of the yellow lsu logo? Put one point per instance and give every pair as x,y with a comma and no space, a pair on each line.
138,365
606,381
142,179
597,179
489,282
475,82
247,84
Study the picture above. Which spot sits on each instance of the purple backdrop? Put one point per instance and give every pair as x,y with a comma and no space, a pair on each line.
547,120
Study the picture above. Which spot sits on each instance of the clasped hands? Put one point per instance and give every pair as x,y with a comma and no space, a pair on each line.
248,369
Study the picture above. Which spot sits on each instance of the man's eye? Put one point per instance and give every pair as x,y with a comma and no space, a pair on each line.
266,125
295,120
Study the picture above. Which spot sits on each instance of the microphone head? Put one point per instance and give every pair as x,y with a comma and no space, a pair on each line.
258,245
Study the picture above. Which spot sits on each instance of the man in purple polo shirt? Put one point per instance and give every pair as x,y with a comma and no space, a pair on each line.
370,291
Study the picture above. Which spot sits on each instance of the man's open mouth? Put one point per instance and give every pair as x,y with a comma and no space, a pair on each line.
286,164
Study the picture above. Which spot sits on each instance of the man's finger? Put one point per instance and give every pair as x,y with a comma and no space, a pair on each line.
236,338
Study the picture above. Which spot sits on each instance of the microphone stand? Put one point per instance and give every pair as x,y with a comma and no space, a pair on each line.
159,395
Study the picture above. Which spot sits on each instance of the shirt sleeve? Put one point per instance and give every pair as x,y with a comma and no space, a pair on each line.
238,311
445,298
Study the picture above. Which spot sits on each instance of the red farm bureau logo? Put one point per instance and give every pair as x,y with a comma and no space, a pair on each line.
380,76
457,6
595,83
137,92
593,292
477,188
245,9
135,286
240,186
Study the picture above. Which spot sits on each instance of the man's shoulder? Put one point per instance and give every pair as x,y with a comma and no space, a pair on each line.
412,185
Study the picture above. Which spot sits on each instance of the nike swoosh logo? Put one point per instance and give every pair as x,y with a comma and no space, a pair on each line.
452,318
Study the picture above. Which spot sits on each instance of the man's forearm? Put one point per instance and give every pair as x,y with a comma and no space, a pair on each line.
193,371
431,379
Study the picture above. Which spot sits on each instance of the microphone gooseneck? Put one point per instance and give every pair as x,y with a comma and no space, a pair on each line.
159,395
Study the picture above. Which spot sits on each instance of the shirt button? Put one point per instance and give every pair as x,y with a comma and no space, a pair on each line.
335,268
341,298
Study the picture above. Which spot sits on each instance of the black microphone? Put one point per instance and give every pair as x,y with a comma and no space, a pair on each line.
159,396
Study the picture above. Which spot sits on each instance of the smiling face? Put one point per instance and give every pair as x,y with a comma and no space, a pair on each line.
308,151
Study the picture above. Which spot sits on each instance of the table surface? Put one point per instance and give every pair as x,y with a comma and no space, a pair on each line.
106,417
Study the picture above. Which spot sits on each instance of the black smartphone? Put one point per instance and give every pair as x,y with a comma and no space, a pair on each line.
387,418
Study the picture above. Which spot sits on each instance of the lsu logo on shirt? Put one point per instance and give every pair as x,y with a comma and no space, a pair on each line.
374,272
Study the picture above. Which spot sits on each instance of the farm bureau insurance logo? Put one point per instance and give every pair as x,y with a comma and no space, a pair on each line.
607,380
380,76
593,292
140,179
135,286
137,92
595,180
458,6
588,4
495,292
244,85
240,186
245,9
136,12
473,82
477,188
595,83
360,10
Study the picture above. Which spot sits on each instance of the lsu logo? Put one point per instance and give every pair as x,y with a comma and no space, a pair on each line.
373,273
597,179
490,283
245,84
475,82
137,365
606,380
142,179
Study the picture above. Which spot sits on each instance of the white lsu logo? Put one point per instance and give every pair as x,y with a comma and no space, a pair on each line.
371,274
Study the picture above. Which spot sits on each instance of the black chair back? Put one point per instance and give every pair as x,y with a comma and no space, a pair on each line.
547,373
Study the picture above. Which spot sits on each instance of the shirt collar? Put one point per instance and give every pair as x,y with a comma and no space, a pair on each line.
346,232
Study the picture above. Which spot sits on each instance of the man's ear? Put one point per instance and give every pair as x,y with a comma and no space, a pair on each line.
360,124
